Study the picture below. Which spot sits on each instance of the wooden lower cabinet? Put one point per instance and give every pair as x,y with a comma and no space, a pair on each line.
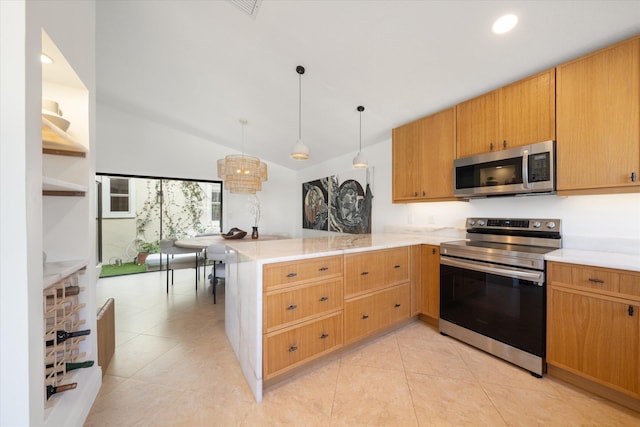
430,277
367,314
290,347
591,332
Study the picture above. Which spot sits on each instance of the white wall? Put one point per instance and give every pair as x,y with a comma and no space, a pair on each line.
129,144
71,24
612,221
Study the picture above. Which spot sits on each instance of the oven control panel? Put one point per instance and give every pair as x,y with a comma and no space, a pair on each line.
520,224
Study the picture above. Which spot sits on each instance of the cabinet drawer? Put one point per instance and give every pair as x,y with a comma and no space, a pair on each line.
291,305
605,281
286,273
369,271
366,315
290,347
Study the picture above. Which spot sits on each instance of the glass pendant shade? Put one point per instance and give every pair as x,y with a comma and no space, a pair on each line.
240,173
360,162
300,151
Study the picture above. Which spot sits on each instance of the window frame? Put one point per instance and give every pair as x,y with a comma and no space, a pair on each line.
106,199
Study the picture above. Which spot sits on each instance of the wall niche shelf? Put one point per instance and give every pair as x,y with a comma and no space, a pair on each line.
57,142
57,187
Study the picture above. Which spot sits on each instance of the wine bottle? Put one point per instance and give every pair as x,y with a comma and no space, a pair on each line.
62,336
72,366
68,291
52,389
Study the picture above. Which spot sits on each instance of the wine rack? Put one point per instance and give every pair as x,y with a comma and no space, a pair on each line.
61,312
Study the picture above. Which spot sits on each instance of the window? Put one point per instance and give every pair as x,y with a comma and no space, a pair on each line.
118,198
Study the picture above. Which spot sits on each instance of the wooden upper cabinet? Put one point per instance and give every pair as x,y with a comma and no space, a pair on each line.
598,121
529,110
478,124
407,174
423,153
519,114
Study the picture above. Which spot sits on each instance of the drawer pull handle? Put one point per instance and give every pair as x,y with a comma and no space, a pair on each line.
324,298
292,307
324,336
397,305
595,280
292,348
365,316
292,274
324,268
630,310
396,266
364,273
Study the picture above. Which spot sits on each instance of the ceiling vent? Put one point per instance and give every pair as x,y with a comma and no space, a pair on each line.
250,7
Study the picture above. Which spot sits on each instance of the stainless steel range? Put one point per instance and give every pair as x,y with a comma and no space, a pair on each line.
492,287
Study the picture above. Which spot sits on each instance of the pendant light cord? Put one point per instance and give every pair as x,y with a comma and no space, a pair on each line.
299,107
360,132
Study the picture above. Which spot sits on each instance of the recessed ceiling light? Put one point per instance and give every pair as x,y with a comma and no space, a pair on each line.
504,24
45,59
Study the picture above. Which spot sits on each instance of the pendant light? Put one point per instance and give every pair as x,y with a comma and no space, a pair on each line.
240,173
359,161
300,151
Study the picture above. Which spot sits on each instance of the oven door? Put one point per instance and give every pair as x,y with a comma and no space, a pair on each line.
503,303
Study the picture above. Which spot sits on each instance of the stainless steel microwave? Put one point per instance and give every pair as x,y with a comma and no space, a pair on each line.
529,169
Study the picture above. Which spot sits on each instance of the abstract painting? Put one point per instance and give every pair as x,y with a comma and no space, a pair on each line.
315,208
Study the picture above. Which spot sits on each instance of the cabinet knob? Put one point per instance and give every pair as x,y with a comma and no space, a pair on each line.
293,348
364,273
415,194
292,307
504,144
292,274
491,146
592,280
630,310
433,251
323,268
396,266
324,336
365,316
324,298
424,193
397,305
634,177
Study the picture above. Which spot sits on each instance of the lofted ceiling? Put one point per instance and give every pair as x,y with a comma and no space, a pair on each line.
199,66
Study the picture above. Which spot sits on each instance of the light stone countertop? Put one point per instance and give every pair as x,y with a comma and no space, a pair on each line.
311,247
271,251
617,260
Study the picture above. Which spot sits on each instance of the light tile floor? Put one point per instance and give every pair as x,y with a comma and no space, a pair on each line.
173,366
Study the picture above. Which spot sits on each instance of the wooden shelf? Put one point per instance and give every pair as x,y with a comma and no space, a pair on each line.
57,142
57,187
55,271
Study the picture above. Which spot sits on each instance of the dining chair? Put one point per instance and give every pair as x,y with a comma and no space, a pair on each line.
216,253
168,247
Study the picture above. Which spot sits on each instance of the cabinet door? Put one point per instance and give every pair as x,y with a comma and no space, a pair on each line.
416,279
477,122
407,170
528,111
395,266
430,274
598,119
596,337
438,153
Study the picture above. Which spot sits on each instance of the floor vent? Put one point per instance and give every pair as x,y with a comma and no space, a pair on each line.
250,7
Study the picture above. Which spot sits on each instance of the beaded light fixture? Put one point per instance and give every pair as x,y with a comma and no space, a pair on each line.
241,173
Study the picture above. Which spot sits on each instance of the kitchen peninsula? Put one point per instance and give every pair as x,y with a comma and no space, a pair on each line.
263,274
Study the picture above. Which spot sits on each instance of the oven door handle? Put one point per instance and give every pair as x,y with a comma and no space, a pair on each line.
494,269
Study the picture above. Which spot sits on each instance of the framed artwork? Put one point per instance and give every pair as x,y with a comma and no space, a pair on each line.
341,206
